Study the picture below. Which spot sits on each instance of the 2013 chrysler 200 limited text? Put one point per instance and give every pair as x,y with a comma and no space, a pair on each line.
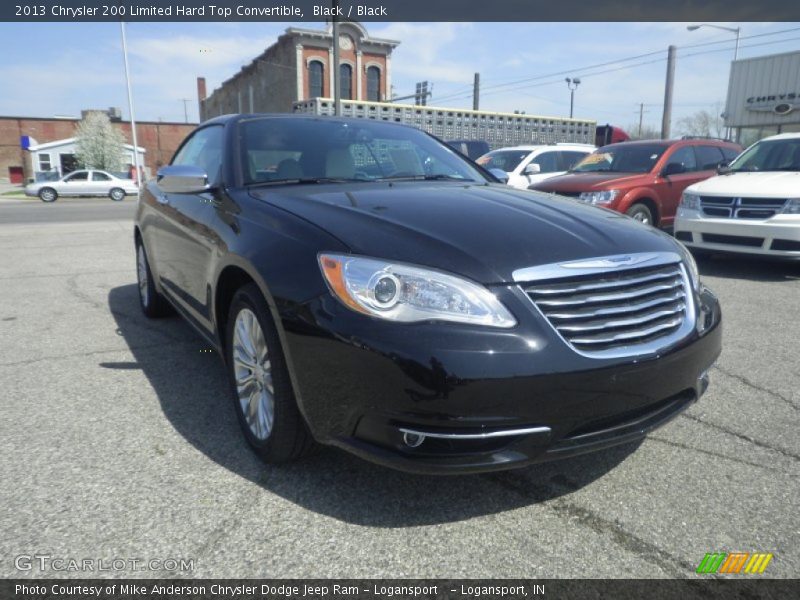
370,288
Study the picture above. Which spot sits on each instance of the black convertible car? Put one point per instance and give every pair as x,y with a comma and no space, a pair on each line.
370,288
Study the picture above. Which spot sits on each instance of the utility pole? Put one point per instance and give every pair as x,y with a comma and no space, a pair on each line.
337,85
185,109
667,118
641,114
130,109
476,91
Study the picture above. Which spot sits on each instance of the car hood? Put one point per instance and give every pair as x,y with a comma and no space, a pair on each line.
483,232
589,182
766,184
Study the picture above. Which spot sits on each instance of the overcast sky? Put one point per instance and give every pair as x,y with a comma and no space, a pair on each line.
51,69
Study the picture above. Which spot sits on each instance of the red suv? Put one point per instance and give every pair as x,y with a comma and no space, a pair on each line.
642,179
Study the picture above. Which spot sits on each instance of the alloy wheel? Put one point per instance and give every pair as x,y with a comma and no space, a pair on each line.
253,374
141,271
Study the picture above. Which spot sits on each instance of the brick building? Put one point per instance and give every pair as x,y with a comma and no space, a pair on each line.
298,67
159,139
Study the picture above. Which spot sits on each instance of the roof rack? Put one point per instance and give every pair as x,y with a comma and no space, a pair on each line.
704,137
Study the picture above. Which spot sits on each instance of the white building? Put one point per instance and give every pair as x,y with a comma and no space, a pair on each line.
52,160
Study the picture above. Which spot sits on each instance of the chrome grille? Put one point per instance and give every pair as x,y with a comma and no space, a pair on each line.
741,208
608,309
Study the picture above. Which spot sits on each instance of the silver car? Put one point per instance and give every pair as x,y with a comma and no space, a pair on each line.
83,183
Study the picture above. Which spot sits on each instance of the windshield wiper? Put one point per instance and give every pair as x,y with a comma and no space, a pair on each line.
425,178
304,180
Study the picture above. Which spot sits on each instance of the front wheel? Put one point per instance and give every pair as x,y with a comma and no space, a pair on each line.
48,194
640,212
117,194
153,304
263,398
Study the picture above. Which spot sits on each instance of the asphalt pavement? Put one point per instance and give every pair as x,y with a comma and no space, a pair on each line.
119,441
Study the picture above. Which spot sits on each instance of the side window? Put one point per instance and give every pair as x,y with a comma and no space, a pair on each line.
708,157
79,176
204,150
570,158
729,153
684,156
98,176
547,161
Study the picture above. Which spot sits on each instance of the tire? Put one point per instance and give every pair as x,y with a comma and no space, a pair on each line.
641,212
48,194
117,194
262,391
153,304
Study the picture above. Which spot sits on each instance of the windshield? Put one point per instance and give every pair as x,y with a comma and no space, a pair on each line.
770,155
281,150
507,160
622,158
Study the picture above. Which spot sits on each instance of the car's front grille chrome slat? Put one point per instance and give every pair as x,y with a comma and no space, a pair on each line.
741,208
607,307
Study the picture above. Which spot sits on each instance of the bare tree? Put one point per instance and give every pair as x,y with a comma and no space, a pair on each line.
702,123
648,132
97,144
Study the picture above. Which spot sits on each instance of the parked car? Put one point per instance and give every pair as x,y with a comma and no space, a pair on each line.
643,179
753,207
526,165
83,183
470,148
379,292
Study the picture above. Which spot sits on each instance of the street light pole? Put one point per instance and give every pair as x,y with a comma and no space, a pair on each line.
736,30
572,84
130,109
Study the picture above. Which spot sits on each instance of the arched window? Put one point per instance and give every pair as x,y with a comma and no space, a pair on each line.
346,81
373,84
315,79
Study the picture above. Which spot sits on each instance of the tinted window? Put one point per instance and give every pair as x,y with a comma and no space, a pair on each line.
346,81
729,153
506,160
204,150
312,149
570,158
548,162
79,176
708,157
622,158
315,79
98,176
684,157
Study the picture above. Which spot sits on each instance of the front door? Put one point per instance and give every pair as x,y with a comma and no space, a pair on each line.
184,245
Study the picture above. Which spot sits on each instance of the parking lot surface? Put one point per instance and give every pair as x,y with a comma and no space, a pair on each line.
119,440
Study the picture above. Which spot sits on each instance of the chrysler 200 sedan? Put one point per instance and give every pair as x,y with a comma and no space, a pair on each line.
370,288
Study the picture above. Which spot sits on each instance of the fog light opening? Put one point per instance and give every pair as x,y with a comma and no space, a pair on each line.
413,440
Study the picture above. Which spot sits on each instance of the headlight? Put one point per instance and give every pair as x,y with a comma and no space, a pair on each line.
792,207
691,266
408,294
606,197
690,201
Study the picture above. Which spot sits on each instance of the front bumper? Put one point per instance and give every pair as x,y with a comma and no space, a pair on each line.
483,399
778,236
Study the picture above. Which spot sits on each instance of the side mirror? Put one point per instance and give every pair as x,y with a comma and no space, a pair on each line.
182,179
673,168
723,168
500,175
533,169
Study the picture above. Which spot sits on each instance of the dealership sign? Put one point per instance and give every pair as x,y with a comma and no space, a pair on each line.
780,104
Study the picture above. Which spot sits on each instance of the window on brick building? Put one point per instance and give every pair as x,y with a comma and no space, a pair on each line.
346,81
315,79
373,84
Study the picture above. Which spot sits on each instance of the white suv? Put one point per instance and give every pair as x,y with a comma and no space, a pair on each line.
527,165
753,207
